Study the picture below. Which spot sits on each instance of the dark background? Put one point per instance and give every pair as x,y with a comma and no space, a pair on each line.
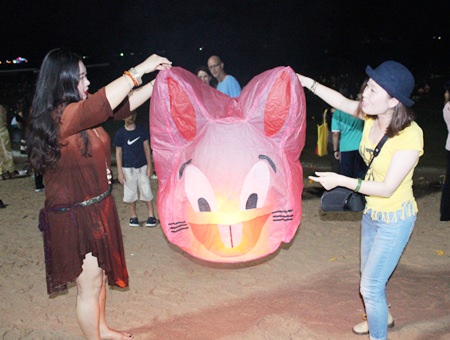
330,40
319,37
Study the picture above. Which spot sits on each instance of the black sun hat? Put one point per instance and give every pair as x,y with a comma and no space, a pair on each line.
395,79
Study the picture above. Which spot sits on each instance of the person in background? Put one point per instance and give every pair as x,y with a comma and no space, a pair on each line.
445,198
346,133
6,156
205,76
65,142
134,168
335,167
23,116
390,213
226,83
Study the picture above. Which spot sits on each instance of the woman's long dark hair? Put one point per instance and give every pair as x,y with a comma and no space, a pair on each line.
56,86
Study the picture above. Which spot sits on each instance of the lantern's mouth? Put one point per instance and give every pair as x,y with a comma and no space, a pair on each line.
230,240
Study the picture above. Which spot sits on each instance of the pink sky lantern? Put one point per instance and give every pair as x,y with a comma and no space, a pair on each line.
230,179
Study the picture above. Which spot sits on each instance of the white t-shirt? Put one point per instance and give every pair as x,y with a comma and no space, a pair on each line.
446,113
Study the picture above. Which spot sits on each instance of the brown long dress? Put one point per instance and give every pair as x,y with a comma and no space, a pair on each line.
72,233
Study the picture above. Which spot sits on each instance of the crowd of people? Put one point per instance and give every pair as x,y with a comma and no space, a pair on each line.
70,152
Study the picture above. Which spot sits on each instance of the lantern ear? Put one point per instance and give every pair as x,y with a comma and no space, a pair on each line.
182,110
180,107
274,102
277,105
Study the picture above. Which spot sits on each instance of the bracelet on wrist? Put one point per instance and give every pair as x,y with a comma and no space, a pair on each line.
130,81
135,75
358,186
314,87
130,77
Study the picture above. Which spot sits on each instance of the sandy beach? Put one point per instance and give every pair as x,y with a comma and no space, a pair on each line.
306,290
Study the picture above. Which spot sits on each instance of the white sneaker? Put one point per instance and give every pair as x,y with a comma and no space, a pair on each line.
363,327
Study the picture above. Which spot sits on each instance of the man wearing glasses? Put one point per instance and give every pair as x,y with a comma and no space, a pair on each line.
226,83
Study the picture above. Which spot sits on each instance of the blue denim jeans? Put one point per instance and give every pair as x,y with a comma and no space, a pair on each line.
382,244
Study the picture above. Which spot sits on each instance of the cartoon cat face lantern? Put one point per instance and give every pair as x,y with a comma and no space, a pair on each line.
230,179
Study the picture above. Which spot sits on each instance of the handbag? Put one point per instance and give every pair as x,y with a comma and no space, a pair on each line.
322,136
343,199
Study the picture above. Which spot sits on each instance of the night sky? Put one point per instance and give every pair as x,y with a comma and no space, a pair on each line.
314,37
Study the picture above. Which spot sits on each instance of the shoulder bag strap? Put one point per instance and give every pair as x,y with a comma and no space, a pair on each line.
377,149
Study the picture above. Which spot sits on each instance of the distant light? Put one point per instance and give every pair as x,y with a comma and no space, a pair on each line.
19,60
121,54
200,49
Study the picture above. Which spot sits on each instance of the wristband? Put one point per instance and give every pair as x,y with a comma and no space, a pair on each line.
130,80
128,74
135,75
359,185
313,87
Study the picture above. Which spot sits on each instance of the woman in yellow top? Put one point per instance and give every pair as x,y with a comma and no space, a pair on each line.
391,209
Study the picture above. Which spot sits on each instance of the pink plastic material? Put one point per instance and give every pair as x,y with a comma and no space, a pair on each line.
230,179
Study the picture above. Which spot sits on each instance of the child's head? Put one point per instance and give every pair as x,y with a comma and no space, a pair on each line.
131,119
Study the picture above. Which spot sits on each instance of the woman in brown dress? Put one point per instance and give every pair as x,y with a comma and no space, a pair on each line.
81,227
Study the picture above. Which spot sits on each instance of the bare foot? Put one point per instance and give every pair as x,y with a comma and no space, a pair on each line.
111,334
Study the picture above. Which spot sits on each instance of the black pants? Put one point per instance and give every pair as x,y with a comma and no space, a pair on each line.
445,198
38,181
352,164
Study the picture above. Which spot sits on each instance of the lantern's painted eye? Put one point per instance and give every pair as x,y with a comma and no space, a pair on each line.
255,187
198,190
203,204
252,201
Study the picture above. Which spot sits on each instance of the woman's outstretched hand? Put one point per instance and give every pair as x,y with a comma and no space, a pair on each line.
328,180
305,81
153,63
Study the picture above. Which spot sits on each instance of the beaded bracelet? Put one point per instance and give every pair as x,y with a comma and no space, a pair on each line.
130,80
135,82
359,185
135,75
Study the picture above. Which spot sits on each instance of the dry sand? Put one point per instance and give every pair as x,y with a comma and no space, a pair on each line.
306,290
